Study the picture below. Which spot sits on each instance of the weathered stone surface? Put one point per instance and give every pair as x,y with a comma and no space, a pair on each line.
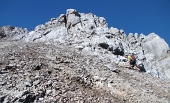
73,17
15,32
156,45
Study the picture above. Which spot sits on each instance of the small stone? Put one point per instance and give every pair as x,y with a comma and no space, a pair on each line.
12,58
3,72
82,101
3,83
10,66
48,92
57,88
132,95
49,83
57,97
22,63
36,67
51,99
36,82
36,77
28,84
41,99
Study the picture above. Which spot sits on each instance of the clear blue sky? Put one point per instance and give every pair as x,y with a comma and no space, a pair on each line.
136,16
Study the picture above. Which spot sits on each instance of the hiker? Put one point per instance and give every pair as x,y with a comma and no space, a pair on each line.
131,61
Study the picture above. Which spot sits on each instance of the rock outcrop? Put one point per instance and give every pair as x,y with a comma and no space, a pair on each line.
92,34
156,45
15,32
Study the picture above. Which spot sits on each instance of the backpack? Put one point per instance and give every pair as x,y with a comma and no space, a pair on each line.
133,57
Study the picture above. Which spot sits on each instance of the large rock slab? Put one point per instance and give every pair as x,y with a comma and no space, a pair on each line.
156,45
73,17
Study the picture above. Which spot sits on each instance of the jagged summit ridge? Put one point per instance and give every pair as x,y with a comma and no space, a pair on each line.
92,35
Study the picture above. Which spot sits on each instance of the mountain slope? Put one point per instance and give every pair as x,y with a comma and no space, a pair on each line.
77,58
56,72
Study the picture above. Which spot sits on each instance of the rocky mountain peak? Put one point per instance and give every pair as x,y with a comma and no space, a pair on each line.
79,50
89,31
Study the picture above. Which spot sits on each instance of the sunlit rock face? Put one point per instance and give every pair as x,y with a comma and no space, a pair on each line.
15,32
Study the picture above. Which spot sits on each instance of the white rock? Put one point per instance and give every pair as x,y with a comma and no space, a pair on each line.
48,92
156,45
41,99
141,56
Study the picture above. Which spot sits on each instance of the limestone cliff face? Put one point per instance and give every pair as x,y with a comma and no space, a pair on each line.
92,35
